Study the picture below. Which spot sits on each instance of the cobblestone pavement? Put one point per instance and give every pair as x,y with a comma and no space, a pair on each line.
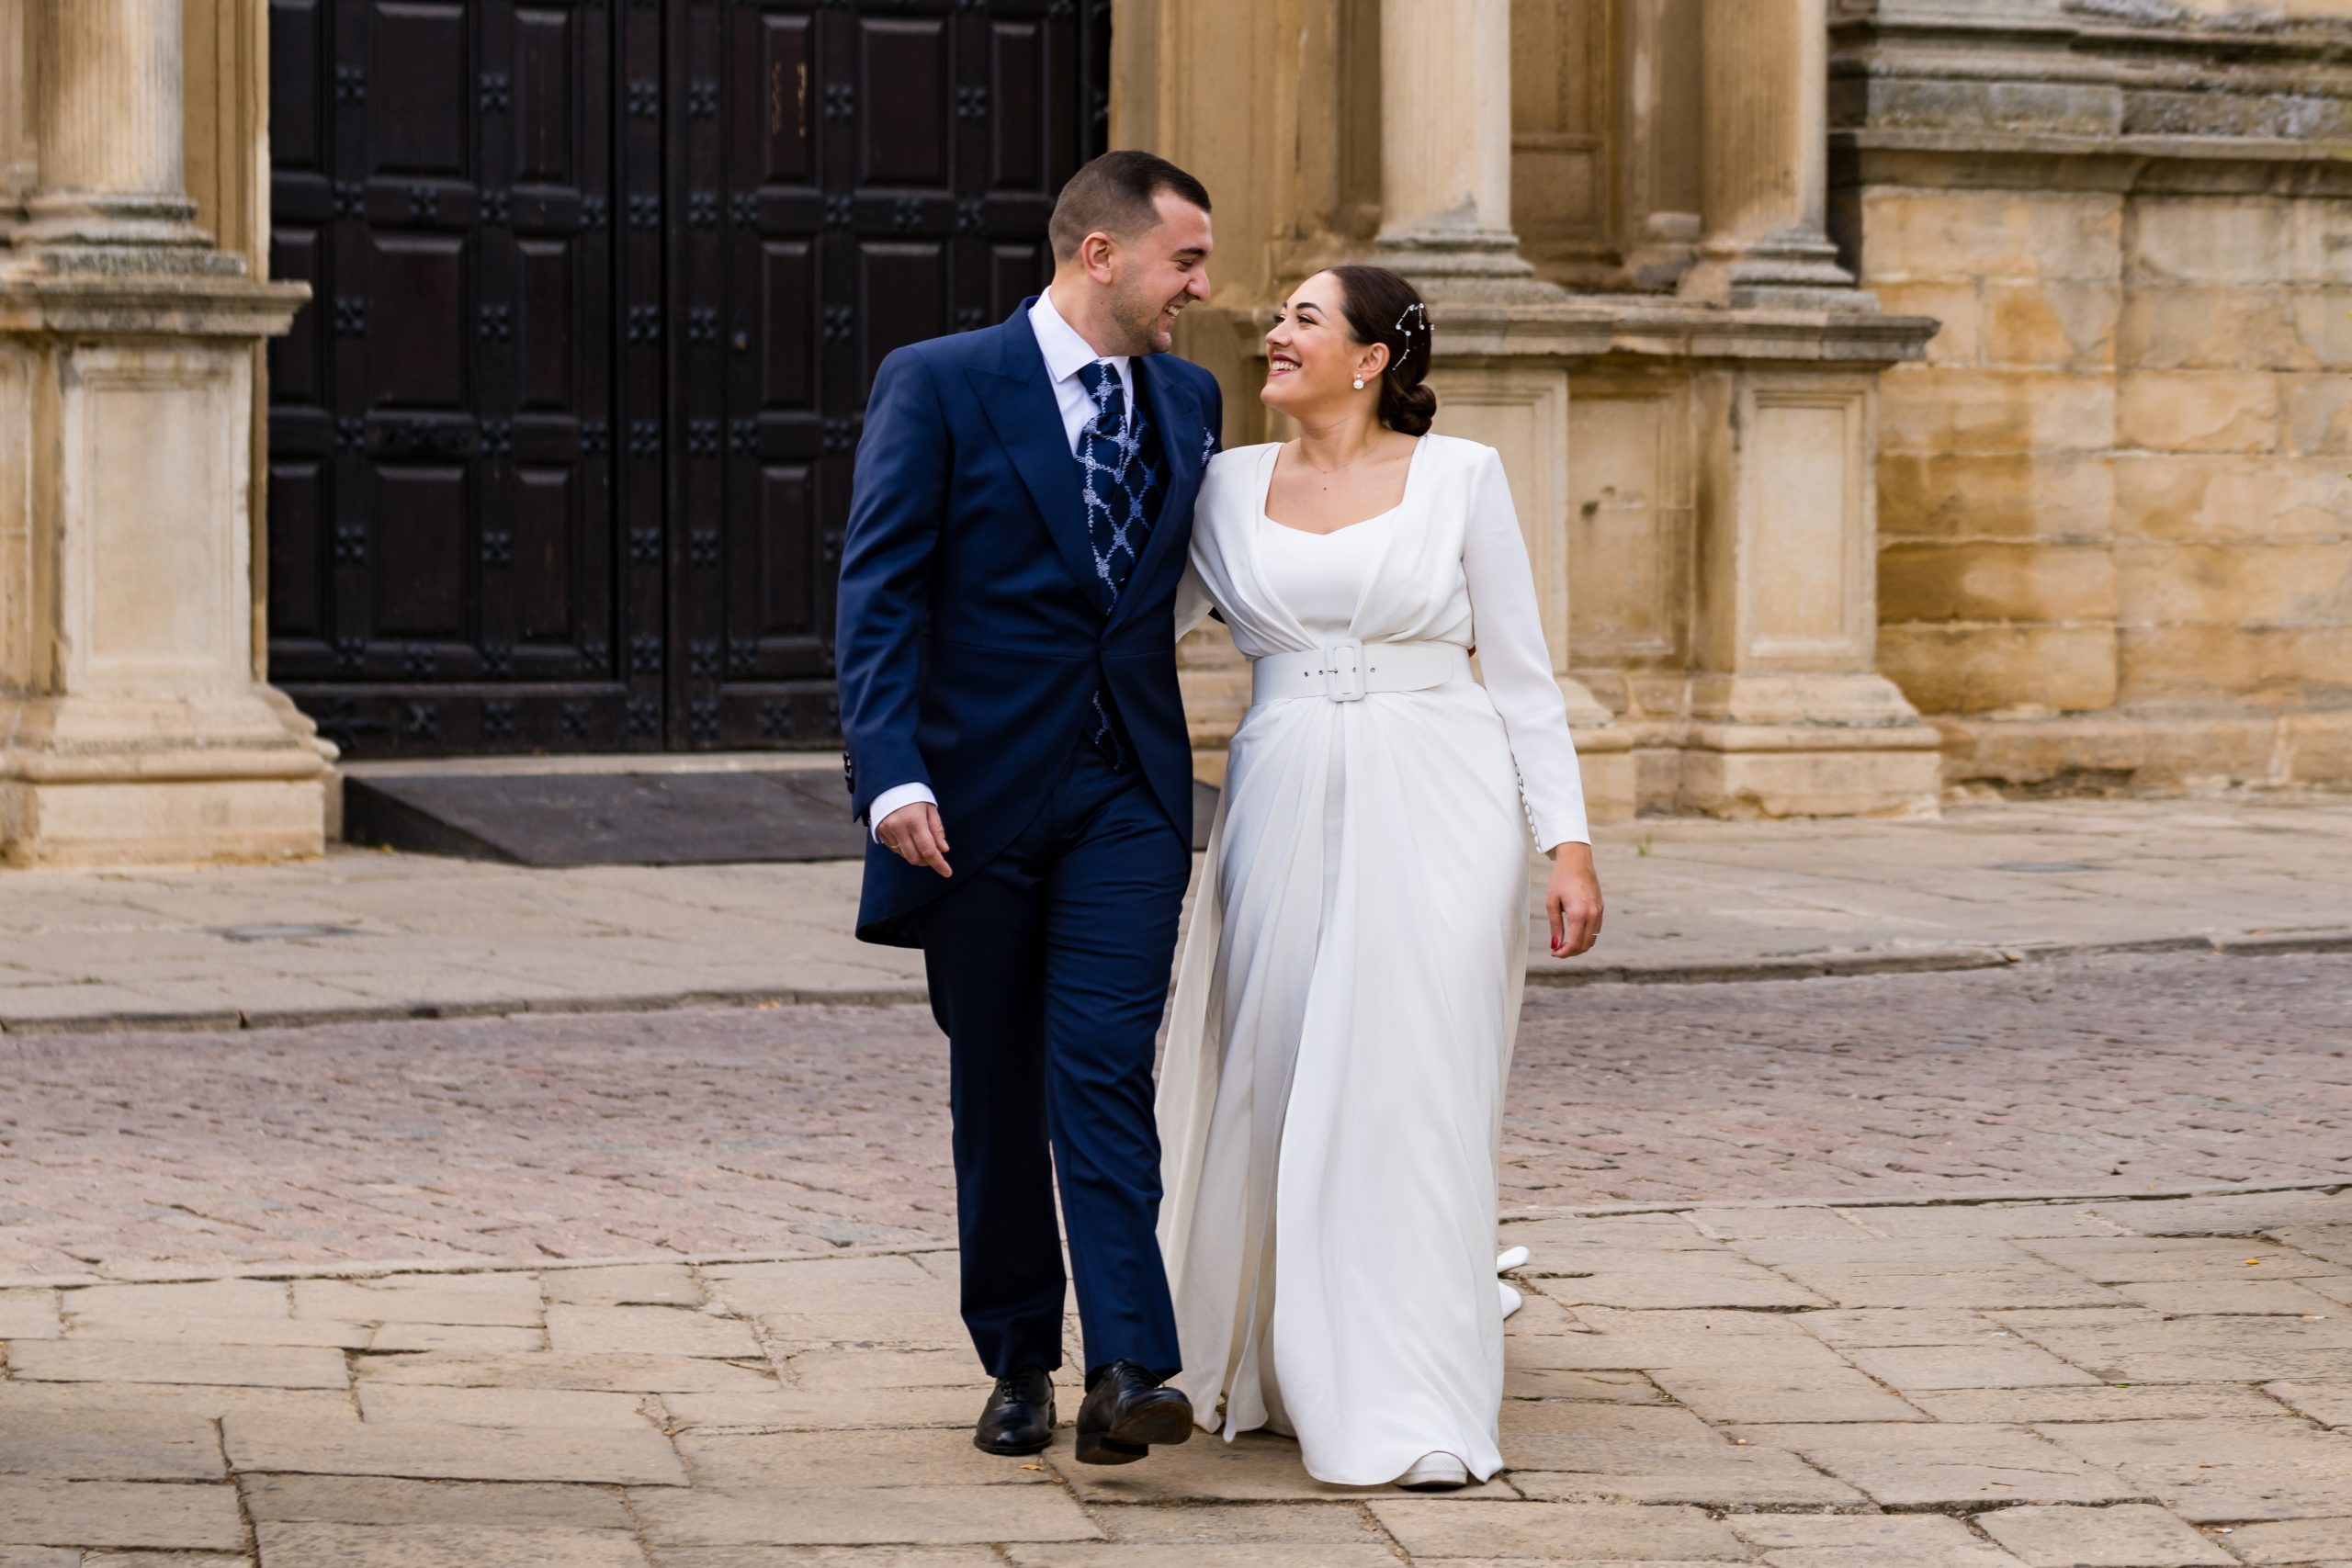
366,935
2151,1383
807,1129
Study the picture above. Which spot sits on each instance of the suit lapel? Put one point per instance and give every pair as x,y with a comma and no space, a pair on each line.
1170,407
1020,404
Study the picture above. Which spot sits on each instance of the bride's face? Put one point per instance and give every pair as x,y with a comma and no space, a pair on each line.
1312,358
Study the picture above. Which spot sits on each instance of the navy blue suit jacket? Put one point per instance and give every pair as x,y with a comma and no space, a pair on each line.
971,633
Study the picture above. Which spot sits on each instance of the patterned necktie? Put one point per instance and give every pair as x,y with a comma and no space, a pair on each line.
1121,486
1122,491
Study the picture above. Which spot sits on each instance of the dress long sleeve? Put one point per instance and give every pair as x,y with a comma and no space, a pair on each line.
1193,600
1509,634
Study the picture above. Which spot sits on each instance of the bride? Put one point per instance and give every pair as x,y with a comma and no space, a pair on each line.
1331,1102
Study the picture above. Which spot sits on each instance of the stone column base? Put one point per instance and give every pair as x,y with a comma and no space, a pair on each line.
1792,745
1752,770
110,781
1454,272
159,821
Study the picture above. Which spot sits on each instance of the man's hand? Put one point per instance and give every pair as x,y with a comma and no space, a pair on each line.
914,835
1573,900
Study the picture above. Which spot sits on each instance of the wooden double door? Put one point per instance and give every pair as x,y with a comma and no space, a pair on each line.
560,449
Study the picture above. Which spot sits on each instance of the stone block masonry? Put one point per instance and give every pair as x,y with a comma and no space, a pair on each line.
2115,529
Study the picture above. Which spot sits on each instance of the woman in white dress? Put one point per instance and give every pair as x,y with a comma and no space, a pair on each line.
1330,1102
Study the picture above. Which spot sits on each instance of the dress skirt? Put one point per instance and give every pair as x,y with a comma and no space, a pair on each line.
1332,1100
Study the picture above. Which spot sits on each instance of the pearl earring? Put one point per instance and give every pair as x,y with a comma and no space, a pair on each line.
1359,383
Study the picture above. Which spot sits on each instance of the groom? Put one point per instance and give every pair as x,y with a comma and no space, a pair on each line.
1018,526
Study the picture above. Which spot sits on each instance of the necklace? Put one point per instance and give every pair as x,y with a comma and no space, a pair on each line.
1342,467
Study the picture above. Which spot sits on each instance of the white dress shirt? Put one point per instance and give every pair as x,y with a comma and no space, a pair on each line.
1066,354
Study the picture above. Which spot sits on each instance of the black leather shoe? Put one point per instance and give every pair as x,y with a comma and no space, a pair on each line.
1019,1416
1127,1410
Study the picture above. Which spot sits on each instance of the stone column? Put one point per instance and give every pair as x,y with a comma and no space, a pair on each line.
1764,162
132,726
1658,128
18,165
1446,152
108,119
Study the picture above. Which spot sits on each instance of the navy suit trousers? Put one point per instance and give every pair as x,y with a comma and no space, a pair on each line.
1049,969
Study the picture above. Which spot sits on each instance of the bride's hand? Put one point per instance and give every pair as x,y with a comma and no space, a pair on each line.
1573,899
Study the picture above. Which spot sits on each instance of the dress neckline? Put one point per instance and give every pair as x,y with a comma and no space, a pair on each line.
1266,486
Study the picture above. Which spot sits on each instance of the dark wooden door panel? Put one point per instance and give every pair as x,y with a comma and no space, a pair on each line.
871,177
560,453
443,571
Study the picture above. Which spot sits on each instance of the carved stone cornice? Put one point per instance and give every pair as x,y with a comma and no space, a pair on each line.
35,302
2140,80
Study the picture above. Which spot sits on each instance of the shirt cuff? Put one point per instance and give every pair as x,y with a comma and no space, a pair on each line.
896,800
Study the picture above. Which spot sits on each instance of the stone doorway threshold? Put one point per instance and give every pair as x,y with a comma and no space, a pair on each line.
627,813
731,809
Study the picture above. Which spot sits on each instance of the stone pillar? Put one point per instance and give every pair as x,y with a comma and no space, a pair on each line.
19,164
109,122
1658,61
1446,152
1764,162
132,728
1790,717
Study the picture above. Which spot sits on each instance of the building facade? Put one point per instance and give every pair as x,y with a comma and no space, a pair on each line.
1899,395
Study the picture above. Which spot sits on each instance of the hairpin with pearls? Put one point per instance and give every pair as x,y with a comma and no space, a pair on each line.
1403,317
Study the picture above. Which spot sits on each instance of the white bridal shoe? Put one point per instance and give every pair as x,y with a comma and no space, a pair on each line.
1435,1473
1443,1472
1510,1259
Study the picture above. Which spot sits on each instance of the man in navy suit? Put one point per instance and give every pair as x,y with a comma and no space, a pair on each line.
1021,518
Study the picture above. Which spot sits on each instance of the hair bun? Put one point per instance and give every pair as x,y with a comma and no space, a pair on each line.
1411,408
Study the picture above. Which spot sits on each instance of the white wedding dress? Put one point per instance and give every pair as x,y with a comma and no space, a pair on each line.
1330,1099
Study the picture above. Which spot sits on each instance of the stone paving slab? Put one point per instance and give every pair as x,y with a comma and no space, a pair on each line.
112,1446
1790,1434
97,1514
1870,1541
2126,1535
443,1546
366,934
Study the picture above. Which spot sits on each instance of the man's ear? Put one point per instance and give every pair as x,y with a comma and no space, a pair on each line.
1096,254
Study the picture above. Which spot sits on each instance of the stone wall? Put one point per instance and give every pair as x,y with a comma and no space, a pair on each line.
2115,529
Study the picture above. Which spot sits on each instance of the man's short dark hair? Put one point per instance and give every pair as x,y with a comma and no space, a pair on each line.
1115,193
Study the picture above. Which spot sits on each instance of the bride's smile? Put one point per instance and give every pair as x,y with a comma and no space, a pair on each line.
1314,366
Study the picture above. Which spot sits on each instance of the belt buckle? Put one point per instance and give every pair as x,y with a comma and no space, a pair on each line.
1343,671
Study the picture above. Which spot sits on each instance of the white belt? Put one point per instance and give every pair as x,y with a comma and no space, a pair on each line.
1347,671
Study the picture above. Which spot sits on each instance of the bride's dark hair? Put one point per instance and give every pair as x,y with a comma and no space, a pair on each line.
1383,308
